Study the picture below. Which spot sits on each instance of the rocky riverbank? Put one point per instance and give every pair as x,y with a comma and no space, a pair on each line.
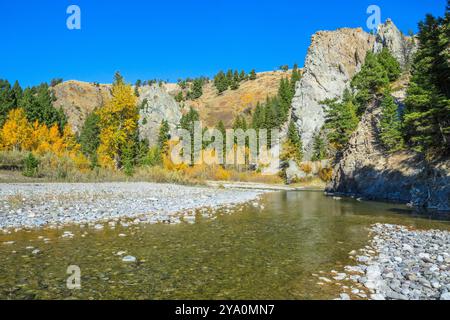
400,264
54,204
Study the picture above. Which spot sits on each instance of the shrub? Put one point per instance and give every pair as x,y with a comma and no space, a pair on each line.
10,160
306,168
30,166
326,174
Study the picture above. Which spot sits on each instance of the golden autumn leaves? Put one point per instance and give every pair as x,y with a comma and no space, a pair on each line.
18,134
118,125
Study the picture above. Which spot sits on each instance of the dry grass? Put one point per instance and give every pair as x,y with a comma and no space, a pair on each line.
225,107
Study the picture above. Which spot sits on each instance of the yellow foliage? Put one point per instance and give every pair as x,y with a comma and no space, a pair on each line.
306,168
16,132
326,174
118,122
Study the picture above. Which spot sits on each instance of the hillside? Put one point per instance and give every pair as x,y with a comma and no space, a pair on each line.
213,107
78,99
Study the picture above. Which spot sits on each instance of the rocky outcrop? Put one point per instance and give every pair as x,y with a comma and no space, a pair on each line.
334,57
365,170
156,105
401,47
78,99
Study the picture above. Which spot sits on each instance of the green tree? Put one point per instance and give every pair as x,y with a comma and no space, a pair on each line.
294,140
252,75
390,64
163,136
295,77
427,116
319,148
38,105
242,76
90,137
341,120
220,82
390,124
197,89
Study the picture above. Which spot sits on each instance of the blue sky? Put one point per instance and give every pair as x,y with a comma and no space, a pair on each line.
171,39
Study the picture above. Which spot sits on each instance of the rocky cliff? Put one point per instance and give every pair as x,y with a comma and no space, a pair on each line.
366,170
156,105
333,58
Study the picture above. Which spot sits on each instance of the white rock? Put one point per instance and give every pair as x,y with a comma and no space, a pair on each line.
129,259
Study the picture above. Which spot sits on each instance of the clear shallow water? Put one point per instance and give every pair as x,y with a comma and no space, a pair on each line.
251,254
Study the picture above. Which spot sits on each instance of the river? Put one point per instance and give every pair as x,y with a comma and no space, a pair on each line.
252,253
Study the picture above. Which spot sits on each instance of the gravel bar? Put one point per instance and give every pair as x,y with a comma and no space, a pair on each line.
402,264
38,205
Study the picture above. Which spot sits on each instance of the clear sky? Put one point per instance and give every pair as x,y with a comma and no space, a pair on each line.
171,39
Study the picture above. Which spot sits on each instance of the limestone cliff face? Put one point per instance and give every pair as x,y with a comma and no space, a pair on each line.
156,105
366,170
333,58
78,99
401,47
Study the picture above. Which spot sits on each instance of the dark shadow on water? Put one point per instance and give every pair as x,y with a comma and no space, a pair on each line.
422,213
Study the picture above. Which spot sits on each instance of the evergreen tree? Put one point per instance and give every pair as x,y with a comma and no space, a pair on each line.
427,116
294,143
319,148
163,136
390,124
295,77
187,123
38,105
6,100
89,137
197,89
242,76
341,120
220,82
252,75
235,81
390,64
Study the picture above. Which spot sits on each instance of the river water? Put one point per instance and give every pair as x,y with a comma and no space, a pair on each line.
248,254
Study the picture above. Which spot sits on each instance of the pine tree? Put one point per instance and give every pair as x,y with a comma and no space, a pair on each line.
38,104
242,76
187,122
197,89
427,116
319,148
252,75
164,136
235,81
90,137
6,100
341,120
220,82
294,141
295,77
390,124
390,64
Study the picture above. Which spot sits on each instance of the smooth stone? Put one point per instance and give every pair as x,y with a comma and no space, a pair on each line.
129,259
